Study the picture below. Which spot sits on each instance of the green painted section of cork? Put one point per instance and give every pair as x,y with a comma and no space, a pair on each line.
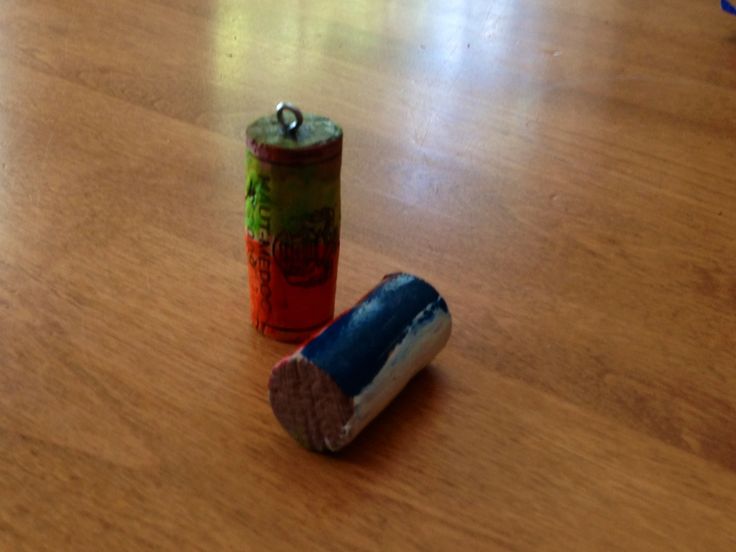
301,194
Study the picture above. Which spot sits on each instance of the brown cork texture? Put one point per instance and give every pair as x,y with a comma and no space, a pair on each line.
309,404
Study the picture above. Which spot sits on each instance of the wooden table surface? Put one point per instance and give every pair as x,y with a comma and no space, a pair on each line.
563,171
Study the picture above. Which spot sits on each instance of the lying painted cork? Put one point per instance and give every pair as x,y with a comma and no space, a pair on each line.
335,384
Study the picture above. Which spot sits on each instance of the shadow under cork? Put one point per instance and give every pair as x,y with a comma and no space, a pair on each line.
406,420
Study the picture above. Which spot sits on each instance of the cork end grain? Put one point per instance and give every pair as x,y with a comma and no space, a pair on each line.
310,405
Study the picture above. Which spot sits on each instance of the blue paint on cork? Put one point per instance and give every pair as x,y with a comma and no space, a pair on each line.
355,347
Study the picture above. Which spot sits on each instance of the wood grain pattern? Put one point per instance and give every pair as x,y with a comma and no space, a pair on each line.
562,171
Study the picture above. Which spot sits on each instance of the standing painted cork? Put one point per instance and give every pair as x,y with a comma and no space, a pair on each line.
292,221
335,384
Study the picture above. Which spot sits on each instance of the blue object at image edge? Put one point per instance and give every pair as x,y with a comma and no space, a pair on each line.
728,7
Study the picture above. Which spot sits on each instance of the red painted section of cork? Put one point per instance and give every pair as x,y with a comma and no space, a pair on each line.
309,155
309,404
282,306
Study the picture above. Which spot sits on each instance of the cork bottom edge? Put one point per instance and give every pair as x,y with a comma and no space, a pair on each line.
288,335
